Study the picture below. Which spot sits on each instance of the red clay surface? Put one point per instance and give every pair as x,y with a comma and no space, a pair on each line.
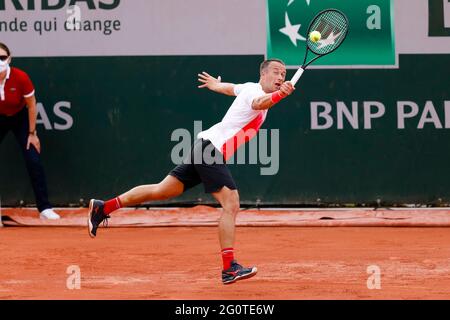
184,263
208,216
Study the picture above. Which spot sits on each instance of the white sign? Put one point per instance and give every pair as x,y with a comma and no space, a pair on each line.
42,28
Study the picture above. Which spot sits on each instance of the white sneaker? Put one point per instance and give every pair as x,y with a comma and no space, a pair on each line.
49,214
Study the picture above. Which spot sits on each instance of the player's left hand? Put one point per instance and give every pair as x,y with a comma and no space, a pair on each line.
208,81
287,88
34,140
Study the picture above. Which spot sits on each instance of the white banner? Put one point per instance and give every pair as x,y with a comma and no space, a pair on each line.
132,27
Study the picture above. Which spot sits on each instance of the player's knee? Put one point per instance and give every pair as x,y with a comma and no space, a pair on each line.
231,204
169,187
164,192
232,207
161,192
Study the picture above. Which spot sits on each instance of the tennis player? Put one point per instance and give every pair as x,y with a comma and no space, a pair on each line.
206,162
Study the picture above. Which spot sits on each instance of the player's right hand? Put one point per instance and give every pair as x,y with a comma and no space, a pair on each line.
287,88
208,81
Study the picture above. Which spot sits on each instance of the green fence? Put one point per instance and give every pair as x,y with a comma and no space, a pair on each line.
109,123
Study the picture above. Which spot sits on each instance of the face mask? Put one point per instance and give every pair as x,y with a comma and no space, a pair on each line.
4,65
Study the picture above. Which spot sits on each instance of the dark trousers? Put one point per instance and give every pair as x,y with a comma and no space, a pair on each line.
19,125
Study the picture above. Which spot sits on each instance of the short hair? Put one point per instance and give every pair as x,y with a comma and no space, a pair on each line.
267,62
5,47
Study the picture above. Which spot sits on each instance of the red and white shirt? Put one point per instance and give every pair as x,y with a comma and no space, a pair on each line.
13,90
240,123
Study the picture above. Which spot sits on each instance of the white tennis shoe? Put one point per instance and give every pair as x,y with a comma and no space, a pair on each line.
49,214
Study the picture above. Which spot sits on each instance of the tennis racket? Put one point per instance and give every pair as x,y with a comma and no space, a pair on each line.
333,27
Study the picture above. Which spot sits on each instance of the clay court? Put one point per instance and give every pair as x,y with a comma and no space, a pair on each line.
183,262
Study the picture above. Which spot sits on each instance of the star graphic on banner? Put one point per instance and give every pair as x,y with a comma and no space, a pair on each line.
292,31
331,39
291,1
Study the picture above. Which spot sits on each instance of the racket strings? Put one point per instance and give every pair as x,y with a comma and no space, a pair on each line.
333,27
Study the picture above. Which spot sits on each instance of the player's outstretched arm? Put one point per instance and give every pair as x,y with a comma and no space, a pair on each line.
215,84
267,101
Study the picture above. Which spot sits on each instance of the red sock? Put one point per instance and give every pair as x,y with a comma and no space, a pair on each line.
227,257
112,205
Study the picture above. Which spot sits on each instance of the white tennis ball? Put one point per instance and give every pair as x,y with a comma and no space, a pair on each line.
315,36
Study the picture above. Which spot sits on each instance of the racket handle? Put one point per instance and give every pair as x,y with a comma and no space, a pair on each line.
297,76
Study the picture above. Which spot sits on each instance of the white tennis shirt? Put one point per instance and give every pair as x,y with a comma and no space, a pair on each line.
240,123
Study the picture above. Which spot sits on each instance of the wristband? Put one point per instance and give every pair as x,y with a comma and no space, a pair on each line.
276,96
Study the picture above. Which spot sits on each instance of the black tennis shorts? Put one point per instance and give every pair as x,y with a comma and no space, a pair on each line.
204,164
